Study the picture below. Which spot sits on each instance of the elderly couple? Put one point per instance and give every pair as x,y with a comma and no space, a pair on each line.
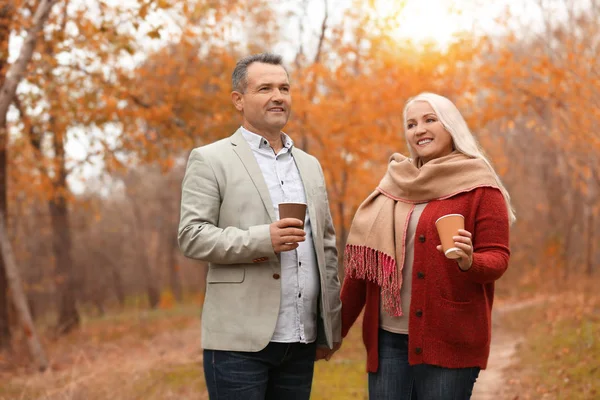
273,304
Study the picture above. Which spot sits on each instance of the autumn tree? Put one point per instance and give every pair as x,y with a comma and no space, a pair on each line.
541,92
7,12
72,97
10,82
348,98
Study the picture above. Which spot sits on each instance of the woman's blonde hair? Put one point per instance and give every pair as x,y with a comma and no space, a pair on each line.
463,139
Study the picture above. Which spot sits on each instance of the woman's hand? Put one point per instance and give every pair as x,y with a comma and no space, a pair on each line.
464,242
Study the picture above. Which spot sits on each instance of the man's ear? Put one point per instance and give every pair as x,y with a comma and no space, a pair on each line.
237,100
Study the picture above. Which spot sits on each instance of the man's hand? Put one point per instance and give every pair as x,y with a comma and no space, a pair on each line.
336,347
286,234
322,352
325,353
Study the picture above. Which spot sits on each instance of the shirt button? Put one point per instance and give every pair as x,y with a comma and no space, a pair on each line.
422,238
418,350
275,276
299,295
300,263
421,275
265,142
419,313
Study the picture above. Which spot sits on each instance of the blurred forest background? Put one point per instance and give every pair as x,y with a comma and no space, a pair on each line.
93,146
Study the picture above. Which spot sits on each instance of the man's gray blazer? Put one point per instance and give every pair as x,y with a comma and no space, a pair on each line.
226,211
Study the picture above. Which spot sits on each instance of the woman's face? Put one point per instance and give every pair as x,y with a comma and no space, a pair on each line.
425,133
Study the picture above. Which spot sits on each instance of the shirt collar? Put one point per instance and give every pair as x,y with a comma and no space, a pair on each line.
258,142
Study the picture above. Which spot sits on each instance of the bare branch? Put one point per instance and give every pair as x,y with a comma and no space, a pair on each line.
35,138
300,53
17,70
322,36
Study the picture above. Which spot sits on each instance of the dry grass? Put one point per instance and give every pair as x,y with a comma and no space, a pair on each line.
560,355
344,376
148,356
151,356
156,355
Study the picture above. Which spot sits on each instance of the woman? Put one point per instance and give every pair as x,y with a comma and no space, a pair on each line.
427,320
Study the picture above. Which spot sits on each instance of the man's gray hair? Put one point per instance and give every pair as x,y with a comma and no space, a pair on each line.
239,78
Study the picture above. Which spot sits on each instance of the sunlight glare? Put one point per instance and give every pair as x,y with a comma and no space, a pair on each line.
421,21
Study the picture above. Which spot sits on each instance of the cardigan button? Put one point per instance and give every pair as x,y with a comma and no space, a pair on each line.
275,276
419,313
418,350
421,275
422,238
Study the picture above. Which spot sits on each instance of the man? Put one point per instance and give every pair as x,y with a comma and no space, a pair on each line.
272,304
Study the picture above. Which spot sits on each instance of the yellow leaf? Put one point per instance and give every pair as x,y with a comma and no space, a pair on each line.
155,34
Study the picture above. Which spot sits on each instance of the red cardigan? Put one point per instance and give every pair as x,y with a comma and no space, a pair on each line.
450,310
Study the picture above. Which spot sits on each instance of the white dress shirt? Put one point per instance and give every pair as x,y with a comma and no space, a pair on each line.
297,321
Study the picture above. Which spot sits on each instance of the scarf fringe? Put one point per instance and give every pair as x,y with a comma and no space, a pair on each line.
366,263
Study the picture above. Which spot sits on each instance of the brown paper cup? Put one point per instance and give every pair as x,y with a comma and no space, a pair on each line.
292,210
447,227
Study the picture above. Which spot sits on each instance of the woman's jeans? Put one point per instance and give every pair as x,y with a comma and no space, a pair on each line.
397,380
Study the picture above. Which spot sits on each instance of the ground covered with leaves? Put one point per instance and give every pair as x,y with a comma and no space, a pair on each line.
559,357
548,348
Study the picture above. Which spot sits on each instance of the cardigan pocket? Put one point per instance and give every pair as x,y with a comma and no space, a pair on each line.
461,323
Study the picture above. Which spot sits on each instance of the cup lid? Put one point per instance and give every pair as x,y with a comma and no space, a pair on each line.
449,215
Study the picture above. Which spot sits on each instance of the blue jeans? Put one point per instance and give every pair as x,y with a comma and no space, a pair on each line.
397,380
279,371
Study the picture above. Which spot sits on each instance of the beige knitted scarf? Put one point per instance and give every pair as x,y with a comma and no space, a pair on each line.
375,246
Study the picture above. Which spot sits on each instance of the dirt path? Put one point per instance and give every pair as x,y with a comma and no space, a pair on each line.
503,350
491,381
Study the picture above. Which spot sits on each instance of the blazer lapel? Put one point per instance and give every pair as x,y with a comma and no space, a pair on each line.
244,152
307,182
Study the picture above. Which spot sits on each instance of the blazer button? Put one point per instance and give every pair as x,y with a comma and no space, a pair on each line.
422,238
418,350
421,275
275,276
419,313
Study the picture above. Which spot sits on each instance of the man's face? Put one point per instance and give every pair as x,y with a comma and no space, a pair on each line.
266,103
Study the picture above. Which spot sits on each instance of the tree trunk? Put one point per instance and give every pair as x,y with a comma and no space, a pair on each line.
6,14
7,93
174,278
341,238
20,300
151,288
342,234
592,201
4,301
590,253
118,286
117,280
68,316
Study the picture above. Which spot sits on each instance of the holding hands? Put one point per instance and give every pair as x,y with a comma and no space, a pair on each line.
464,242
325,353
